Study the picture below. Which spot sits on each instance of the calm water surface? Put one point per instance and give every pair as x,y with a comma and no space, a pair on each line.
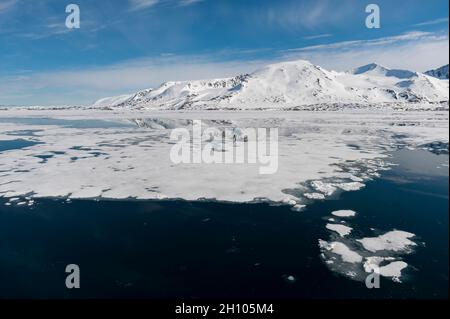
151,249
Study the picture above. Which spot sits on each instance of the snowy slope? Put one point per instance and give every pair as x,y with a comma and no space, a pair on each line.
291,84
112,101
440,73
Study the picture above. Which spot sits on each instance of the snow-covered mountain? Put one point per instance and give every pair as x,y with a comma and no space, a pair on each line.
440,73
112,101
288,85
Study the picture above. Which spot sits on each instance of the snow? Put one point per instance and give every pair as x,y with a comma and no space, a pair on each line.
394,241
291,84
342,230
344,213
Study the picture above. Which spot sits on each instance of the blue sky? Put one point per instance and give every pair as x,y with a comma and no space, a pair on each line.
127,45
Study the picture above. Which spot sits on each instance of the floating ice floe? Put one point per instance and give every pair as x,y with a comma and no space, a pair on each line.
322,187
290,279
347,255
289,201
342,230
354,258
298,207
344,213
314,195
350,176
392,269
353,186
391,241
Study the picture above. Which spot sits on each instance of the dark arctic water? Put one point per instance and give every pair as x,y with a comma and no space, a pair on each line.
151,249
15,144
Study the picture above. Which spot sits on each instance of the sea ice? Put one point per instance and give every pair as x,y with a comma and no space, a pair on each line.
126,162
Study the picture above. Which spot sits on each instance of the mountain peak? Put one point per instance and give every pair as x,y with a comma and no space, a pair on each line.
370,68
380,70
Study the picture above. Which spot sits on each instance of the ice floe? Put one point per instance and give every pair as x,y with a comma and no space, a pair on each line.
344,213
314,196
392,268
325,188
346,254
353,257
353,186
394,241
342,230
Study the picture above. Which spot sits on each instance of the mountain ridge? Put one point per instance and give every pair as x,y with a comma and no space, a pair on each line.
440,73
289,84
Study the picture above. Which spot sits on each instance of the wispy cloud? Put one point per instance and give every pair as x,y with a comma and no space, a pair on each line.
86,86
7,4
142,4
318,36
348,45
309,15
189,2
432,22
418,51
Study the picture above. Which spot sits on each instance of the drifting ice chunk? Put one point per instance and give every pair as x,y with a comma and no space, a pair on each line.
314,196
395,241
344,213
298,207
327,189
353,186
340,229
392,270
342,250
